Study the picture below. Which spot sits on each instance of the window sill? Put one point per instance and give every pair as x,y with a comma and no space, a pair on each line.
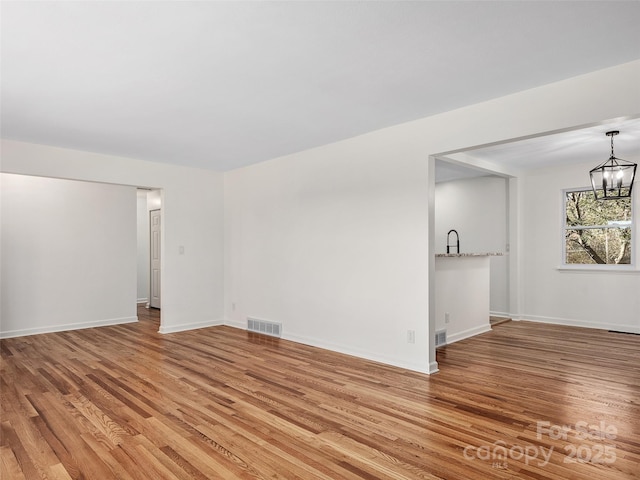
599,269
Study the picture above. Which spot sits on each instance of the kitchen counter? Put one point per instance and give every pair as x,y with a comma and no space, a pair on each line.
462,294
488,254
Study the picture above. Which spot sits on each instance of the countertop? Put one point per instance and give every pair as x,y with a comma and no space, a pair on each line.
486,254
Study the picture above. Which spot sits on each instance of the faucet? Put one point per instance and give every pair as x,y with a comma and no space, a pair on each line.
457,245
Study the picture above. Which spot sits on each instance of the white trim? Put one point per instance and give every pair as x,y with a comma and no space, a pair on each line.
142,300
334,347
431,265
581,323
236,324
68,327
190,326
471,332
584,268
512,316
356,353
500,314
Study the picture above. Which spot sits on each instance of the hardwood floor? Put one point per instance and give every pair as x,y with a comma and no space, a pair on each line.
220,403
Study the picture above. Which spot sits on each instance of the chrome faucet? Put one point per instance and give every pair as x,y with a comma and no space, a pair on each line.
457,245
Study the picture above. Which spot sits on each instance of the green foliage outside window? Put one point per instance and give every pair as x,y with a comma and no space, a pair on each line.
597,231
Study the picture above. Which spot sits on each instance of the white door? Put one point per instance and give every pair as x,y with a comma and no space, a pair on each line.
154,225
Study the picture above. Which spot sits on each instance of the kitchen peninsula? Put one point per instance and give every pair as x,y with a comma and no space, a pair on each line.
462,294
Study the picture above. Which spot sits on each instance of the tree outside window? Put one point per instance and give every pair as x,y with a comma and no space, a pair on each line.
597,231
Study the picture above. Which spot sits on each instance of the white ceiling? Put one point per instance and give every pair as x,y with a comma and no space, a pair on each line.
225,84
584,145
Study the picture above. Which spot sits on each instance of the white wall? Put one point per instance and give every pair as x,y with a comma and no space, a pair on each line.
192,287
477,209
609,300
68,254
334,242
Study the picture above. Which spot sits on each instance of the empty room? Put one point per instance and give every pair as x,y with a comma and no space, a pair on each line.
320,240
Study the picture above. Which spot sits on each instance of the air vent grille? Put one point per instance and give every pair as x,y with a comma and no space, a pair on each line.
441,338
272,329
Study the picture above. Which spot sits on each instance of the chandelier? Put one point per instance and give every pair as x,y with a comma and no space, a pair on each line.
613,179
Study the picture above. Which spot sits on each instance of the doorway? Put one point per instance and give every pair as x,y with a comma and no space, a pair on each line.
149,218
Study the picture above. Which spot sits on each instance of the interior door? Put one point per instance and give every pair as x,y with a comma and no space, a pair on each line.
155,236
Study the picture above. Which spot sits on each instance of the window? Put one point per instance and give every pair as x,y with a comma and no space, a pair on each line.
596,232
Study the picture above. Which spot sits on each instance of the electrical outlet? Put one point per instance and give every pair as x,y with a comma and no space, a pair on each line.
411,336
446,317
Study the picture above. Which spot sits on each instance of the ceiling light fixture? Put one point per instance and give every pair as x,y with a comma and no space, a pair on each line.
613,179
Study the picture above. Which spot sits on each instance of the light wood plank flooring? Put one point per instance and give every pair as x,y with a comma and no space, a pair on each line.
219,403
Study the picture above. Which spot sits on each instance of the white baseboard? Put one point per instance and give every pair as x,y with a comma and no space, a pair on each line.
471,332
313,342
500,314
67,327
582,323
190,326
236,324
334,347
143,300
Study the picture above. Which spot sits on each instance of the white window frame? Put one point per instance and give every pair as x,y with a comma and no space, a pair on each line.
591,267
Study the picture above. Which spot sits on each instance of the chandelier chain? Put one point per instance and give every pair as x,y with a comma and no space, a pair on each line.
612,155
